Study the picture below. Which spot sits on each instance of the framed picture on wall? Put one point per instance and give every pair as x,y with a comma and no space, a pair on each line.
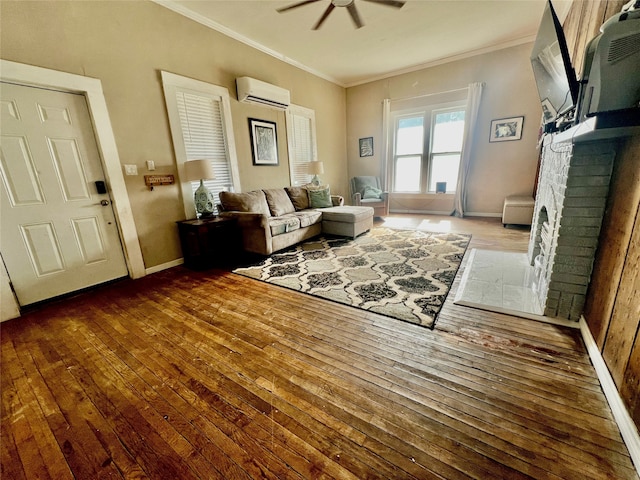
264,144
549,113
366,147
506,129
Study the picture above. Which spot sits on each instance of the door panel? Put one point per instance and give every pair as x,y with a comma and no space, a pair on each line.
56,236
43,248
20,173
90,241
69,171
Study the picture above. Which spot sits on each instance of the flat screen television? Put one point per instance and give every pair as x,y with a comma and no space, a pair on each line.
554,75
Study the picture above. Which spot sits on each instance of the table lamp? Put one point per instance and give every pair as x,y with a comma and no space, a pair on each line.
201,170
315,169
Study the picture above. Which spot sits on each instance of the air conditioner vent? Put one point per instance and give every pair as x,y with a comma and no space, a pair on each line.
623,47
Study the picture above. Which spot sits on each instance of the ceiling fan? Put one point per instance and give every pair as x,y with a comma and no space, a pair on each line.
349,4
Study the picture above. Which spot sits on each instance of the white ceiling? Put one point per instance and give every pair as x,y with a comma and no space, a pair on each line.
422,33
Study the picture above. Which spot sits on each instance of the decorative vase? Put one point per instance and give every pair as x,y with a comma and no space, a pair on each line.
203,200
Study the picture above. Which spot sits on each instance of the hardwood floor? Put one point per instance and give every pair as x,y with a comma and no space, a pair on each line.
188,374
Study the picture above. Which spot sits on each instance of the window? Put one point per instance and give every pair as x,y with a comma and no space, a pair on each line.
301,141
427,147
200,120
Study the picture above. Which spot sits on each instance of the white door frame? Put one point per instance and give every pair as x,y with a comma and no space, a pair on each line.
91,88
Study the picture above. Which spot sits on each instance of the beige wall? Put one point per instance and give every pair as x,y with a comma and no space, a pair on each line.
498,169
126,45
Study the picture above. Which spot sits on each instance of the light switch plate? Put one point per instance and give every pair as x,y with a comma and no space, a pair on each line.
151,165
131,169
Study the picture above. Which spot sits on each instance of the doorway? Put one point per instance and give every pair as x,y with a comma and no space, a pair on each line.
120,208
58,231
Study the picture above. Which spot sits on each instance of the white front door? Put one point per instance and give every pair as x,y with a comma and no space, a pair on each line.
58,233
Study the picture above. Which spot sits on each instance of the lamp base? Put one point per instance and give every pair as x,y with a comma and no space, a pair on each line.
316,180
203,199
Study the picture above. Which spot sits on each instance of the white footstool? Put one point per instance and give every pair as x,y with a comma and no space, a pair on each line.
347,221
518,210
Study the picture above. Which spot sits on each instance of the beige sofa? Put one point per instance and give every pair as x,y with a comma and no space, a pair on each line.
273,219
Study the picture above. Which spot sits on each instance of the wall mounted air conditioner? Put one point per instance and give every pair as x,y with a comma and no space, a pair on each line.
251,90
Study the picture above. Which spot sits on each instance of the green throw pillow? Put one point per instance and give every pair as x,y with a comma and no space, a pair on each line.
371,192
320,198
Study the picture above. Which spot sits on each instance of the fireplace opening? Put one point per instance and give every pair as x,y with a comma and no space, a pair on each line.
541,255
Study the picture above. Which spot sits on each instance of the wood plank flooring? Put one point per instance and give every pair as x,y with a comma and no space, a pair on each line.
186,374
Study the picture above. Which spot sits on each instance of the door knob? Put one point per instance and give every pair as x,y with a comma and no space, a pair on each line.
104,203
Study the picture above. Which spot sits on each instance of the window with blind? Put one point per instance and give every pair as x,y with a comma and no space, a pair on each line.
200,120
301,141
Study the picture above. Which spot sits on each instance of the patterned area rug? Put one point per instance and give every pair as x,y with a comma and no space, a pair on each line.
404,274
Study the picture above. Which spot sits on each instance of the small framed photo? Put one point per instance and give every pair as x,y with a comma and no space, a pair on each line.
264,143
366,147
549,113
506,129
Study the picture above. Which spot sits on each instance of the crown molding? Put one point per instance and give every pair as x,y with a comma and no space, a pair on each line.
207,22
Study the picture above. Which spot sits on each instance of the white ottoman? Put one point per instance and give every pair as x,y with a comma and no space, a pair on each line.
518,210
347,221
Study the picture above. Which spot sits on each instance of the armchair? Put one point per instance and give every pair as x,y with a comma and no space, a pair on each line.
366,191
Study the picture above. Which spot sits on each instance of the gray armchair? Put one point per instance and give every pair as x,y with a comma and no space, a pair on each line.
366,191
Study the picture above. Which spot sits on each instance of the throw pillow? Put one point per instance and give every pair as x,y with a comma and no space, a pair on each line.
278,201
254,201
299,197
372,192
320,198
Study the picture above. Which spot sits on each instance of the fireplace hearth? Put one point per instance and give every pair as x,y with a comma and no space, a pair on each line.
573,186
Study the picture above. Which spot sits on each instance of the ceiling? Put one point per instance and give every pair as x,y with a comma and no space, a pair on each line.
422,33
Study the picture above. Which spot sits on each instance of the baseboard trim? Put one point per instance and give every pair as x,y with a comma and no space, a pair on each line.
621,415
164,266
481,214
445,212
422,212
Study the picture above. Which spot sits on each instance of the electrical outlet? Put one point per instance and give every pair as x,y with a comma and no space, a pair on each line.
130,169
151,165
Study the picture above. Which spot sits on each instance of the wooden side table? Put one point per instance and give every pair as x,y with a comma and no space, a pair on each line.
209,242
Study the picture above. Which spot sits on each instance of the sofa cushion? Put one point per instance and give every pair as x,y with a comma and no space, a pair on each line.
278,201
308,217
320,198
253,201
283,224
299,197
347,214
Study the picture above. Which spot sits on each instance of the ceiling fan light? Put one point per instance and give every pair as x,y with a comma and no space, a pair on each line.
342,3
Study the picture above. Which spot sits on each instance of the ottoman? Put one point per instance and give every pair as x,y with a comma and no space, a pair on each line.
518,209
347,221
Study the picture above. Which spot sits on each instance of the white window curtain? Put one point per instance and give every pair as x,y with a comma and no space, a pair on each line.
200,120
471,120
301,142
387,165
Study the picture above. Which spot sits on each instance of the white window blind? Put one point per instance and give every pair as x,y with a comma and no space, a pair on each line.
301,138
203,135
201,128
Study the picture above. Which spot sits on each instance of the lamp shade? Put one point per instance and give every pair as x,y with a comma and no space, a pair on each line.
195,170
315,168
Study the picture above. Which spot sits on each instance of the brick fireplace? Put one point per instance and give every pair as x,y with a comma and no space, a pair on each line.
573,185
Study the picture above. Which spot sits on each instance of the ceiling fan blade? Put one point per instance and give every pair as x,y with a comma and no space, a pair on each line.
354,15
389,3
295,5
324,16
